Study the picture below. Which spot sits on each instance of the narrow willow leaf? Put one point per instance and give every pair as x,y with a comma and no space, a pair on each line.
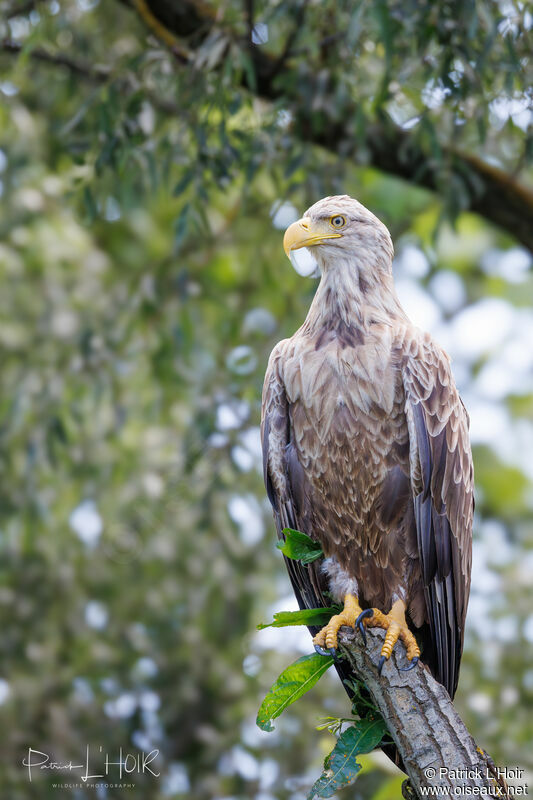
181,226
183,183
299,546
249,71
341,764
90,204
293,682
307,616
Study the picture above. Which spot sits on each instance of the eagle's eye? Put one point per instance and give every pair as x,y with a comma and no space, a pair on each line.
338,221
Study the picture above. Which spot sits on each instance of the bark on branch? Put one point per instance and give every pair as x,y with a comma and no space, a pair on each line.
434,744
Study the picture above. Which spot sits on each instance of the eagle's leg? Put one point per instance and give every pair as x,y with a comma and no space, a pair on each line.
325,640
396,626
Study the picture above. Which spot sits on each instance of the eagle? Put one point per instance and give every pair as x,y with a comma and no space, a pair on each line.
366,449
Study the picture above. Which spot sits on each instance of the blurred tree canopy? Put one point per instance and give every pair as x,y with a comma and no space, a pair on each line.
151,153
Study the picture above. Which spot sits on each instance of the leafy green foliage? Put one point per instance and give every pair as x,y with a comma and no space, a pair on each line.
341,766
299,546
333,724
293,682
305,616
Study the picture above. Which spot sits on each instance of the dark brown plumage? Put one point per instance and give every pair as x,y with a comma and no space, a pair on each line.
365,443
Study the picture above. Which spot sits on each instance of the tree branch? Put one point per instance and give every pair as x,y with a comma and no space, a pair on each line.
432,740
160,31
81,69
97,75
494,194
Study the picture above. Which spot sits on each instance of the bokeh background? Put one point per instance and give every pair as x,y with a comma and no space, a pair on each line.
147,171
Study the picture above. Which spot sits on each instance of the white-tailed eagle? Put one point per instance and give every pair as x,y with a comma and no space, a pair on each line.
366,449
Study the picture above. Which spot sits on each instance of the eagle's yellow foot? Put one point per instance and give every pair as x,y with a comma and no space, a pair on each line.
396,626
325,641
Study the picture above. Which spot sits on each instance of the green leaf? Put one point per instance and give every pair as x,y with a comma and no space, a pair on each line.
249,71
299,546
341,766
90,204
293,682
183,183
307,616
181,226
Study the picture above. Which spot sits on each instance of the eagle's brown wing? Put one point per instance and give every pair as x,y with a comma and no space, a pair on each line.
285,480
442,483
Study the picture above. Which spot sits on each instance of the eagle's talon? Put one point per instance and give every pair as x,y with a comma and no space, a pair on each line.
395,625
326,638
363,633
412,665
368,612
321,651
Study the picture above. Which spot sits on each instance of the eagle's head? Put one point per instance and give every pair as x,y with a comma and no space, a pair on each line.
340,229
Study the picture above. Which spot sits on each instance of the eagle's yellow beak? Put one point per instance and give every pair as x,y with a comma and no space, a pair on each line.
303,234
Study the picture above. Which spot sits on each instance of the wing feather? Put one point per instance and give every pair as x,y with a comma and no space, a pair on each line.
442,485
285,479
